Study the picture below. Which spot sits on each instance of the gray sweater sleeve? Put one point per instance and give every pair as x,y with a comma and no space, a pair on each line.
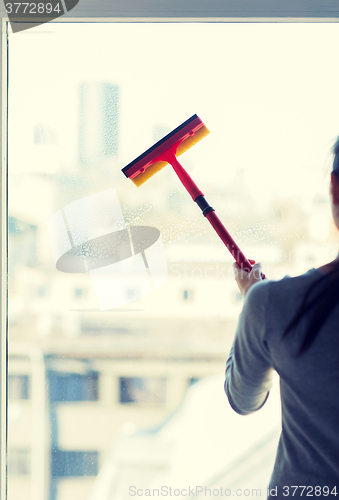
249,368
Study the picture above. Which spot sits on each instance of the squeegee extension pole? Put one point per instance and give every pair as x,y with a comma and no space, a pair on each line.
222,232
220,229
208,211
186,180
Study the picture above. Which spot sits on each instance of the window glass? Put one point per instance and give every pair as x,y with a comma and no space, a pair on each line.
72,386
74,463
142,390
122,301
18,462
18,386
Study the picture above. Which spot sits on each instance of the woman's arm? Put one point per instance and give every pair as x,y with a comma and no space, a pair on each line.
248,369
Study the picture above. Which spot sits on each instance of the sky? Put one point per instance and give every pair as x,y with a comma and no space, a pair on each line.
267,92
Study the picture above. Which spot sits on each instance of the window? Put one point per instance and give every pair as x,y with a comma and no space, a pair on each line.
22,243
143,390
18,387
193,380
130,294
188,295
79,118
69,387
79,293
19,461
74,463
42,291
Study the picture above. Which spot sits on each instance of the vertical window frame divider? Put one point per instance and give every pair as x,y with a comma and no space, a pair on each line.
3,252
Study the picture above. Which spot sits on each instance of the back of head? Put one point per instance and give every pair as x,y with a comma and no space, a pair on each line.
335,150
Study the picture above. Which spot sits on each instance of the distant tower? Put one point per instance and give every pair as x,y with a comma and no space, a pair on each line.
98,127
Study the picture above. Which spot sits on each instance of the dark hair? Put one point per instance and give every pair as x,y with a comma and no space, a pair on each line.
322,296
336,157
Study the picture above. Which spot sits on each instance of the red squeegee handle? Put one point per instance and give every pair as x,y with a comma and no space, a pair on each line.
208,212
220,229
225,236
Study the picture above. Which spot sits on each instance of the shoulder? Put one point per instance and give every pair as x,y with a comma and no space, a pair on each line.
287,284
279,291
257,295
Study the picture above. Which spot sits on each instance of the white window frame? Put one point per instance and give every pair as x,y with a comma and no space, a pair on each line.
3,255
114,11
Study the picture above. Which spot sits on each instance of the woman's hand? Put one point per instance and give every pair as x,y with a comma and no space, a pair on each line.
246,279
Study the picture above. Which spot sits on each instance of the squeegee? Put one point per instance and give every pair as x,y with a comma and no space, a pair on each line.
166,151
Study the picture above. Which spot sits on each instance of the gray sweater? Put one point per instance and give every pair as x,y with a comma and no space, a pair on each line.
308,451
